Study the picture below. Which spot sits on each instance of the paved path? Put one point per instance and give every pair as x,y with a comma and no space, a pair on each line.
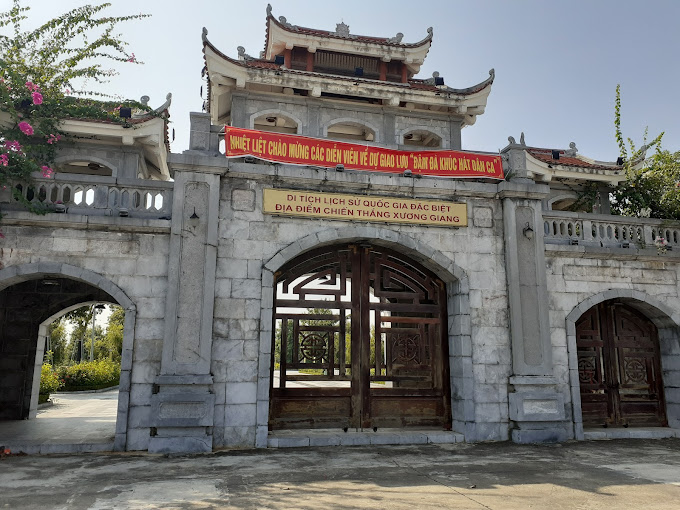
75,418
607,475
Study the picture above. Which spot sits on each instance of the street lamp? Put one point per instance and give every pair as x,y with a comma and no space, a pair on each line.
94,313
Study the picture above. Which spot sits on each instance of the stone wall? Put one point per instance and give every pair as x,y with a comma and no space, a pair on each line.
314,118
579,278
124,258
252,245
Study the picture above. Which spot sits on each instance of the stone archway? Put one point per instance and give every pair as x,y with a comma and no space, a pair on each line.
70,286
667,322
458,311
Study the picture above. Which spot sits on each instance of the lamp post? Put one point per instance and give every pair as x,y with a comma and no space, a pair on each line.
94,313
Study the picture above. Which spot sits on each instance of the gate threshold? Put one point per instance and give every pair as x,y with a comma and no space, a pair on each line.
630,433
354,437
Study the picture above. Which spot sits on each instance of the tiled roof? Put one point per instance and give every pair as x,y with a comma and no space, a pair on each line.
545,155
332,35
415,84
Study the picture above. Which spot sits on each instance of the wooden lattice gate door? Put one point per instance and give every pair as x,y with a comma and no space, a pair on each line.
619,367
360,341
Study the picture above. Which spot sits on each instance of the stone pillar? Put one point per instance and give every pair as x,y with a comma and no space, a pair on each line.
199,131
313,127
534,400
183,404
454,130
389,131
238,111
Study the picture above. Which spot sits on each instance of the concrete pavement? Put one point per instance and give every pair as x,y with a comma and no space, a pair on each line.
622,474
75,422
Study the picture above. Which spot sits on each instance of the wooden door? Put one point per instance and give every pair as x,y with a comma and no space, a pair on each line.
619,367
360,341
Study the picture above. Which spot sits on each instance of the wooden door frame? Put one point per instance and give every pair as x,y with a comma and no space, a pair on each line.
607,313
360,352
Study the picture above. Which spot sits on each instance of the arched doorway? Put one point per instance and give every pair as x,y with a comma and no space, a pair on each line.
31,296
619,367
360,341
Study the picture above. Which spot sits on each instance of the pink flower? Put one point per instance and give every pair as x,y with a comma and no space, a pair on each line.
37,98
46,171
26,128
132,58
4,159
13,146
32,87
67,92
53,139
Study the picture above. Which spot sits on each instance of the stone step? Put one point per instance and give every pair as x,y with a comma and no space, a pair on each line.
630,433
336,437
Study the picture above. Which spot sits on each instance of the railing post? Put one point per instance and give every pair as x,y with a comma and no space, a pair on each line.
647,229
587,227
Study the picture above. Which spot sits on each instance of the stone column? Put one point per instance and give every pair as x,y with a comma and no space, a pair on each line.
534,400
455,127
183,403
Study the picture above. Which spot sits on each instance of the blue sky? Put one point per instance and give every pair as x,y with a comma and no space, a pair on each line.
557,63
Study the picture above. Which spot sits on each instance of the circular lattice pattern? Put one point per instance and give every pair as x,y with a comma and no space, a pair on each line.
586,370
635,371
313,348
406,349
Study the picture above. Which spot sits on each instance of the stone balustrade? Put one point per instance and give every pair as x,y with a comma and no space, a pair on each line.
562,227
95,195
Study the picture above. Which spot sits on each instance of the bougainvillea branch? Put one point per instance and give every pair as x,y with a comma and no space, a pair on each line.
44,72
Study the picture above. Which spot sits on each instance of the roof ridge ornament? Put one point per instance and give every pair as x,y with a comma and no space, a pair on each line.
512,141
284,22
571,151
242,55
342,29
269,10
397,38
204,35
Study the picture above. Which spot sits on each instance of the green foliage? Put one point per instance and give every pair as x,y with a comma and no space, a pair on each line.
89,375
57,354
40,69
49,380
651,188
108,344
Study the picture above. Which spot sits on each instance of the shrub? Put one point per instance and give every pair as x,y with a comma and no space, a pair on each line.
49,382
89,375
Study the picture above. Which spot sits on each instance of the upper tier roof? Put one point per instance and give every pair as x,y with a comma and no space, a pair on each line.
226,74
565,164
282,35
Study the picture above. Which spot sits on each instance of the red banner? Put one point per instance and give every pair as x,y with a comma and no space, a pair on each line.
302,150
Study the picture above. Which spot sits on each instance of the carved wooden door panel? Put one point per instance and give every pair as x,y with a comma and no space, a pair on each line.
619,367
360,341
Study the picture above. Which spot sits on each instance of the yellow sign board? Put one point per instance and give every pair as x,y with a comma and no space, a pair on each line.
364,208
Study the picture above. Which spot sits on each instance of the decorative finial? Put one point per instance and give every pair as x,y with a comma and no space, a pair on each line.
511,140
435,74
145,100
342,29
204,35
521,138
430,31
269,10
571,152
242,55
397,39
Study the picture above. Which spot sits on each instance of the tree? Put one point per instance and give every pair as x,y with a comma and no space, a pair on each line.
42,72
113,339
651,188
56,355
